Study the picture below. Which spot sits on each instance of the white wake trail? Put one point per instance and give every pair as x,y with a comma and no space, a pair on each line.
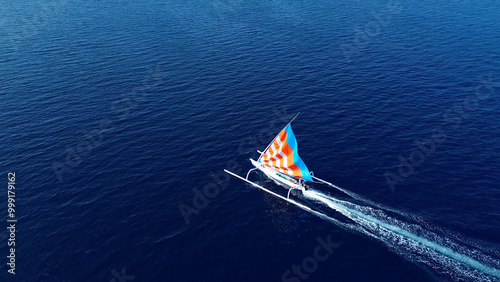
359,197
394,233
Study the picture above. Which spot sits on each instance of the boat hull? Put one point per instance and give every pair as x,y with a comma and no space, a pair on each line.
278,177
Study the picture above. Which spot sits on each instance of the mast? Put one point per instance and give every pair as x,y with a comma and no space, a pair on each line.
263,152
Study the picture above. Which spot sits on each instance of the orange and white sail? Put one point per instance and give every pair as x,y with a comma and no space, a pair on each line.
282,155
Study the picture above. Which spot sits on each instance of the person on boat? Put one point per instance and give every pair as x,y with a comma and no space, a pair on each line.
303,184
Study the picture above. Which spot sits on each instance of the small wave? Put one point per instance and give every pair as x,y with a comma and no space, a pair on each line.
171,235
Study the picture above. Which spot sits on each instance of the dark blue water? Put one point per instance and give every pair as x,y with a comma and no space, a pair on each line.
115,116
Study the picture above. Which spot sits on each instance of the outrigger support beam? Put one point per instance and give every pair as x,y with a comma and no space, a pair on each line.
321,180
249,172
270,192
288,196
334,186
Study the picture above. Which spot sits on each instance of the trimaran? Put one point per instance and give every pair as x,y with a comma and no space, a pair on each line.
280,162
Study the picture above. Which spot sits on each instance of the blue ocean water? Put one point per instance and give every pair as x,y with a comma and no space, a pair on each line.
119,118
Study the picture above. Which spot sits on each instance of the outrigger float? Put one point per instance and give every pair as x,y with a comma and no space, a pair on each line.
280,162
